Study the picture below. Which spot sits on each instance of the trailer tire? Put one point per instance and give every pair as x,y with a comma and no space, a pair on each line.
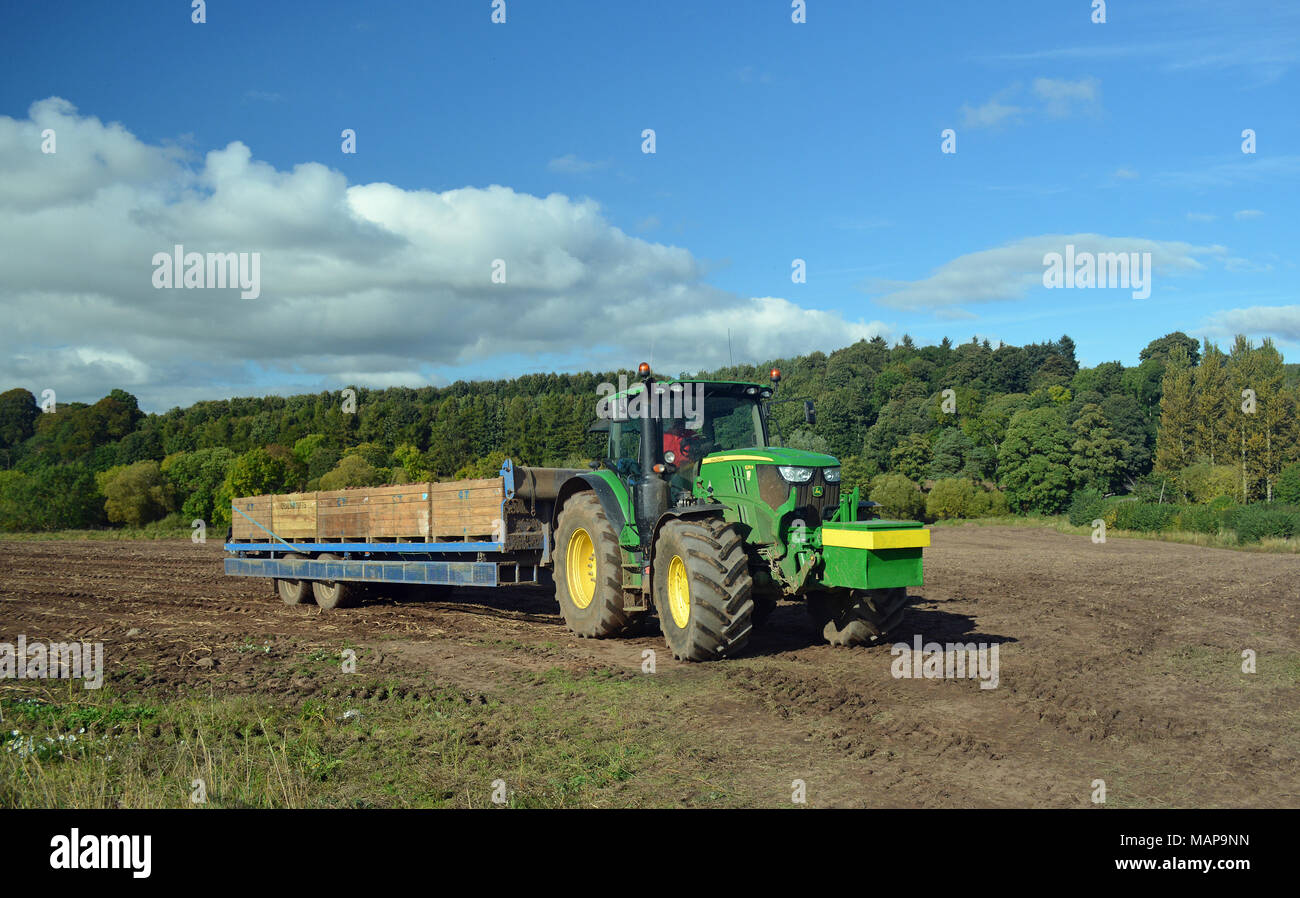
294,592
588,570
331,594
864,617
702,588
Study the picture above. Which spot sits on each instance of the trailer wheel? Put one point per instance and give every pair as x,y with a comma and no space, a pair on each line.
863,617
294,592
703,589
588,571
332,594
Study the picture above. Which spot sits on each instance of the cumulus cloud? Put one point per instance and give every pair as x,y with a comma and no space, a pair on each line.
571,164
1062,98
365,283
1261,321
990,114
1011,271
1054,97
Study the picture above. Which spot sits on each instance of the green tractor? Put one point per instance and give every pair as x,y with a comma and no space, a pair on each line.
695,516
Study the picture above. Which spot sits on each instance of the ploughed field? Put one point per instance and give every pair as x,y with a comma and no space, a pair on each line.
1119,662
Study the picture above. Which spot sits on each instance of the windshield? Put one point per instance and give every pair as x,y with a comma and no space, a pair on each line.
723,423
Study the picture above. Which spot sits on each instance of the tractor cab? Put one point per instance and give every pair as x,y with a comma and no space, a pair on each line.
687,422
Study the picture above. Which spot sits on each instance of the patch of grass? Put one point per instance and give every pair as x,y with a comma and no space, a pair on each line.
140,533
554,739
1224,540
1209,663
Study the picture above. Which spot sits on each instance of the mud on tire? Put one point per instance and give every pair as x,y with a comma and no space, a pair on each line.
703,589
332,594
863,617
294,592
588,571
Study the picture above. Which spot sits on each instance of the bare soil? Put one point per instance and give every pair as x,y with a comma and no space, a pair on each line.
1120,662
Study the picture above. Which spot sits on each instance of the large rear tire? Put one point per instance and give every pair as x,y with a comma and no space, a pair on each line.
294,592
863,617
588,571
331,594
703,589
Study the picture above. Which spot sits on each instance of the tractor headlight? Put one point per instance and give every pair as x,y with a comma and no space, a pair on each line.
795,474
670,457
832,475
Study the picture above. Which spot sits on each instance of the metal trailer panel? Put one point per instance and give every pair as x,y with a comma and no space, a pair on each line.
436,573
404,548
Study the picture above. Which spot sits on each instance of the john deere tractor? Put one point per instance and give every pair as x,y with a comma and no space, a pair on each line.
695,516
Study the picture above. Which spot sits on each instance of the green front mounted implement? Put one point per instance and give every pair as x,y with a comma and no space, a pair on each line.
873,554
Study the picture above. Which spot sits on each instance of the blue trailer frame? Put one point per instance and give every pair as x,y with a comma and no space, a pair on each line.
421,563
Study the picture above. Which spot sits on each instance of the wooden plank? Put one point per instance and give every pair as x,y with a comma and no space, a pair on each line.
293,516
256,507
342,514
399,512
466,508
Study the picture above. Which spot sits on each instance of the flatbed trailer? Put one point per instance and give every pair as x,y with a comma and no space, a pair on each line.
505,525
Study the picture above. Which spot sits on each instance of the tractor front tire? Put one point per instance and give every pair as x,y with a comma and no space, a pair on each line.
331,594
703,590
294,592
588,570
863,617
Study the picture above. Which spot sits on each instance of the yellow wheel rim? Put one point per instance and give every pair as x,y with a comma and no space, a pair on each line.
580,568
679,592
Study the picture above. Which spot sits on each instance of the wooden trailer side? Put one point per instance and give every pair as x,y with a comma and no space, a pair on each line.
467,509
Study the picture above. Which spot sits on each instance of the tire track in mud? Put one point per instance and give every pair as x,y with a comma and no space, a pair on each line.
1117,660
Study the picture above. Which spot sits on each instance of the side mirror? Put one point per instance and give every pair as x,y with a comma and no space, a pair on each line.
809,413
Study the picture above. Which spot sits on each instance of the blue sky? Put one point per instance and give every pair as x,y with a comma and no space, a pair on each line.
775,141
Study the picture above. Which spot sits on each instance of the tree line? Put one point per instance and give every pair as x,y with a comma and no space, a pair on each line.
1013,427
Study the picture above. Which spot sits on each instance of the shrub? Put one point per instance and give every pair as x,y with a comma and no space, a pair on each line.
898,496
989,504
950,497
1085,507
1202,518
1256,522
1287,488
352,470
134,494
1203,481
1155,488
1147,517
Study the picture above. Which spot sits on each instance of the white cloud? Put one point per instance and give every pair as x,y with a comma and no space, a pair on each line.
1056,98
570,164
1126,174
1062,98
989,115
364,283
1244,214
1259,321
1201,217
1011,271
